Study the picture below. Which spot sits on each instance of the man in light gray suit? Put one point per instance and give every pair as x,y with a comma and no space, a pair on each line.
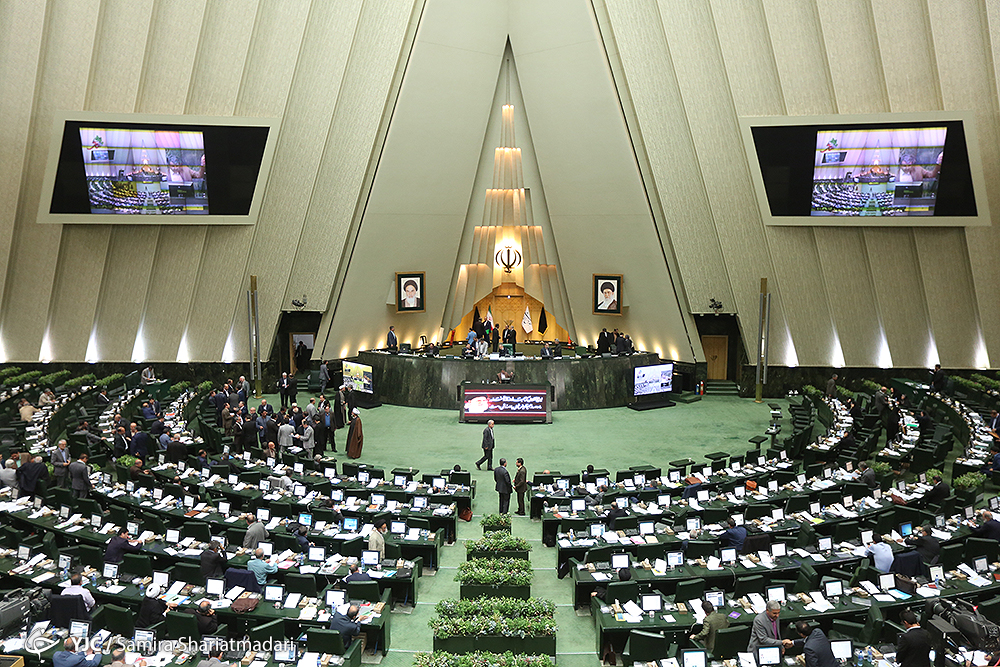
308,437
286,435
60,464
765,631
324,377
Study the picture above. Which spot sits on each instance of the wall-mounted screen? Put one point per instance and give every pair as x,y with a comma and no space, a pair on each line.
359,376
137,169
874,170
653,379
505,403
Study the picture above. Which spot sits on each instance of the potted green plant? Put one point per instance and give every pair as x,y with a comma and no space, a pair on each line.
503,577
495,522
497,544
110,380
88,379
969,487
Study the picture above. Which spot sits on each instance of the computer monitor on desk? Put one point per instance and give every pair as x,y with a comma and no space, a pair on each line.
769,655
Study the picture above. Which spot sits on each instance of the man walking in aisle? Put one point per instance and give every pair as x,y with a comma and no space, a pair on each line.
488,444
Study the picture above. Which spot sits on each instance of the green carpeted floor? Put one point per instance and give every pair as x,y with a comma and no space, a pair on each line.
430,440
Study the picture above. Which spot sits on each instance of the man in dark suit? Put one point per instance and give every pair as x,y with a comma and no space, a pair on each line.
122,441
79,475
495,339
520,484
913,648
603,342
346,624
357,575
621,345
815,646
102,400
503,486
510,337
284,389
937,379
391,342
176,451
265,409
938,492
118,546
734,536
988,528
926,545
32,477
831,386
488,444
139,446
213,561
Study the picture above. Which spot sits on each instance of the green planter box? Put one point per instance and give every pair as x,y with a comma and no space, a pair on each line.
505,529
458,645
514,553
517,645
469,591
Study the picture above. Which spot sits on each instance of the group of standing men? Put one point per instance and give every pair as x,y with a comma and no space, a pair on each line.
311,427
501,476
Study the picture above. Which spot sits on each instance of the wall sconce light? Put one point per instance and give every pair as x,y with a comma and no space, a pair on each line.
716,306
509,258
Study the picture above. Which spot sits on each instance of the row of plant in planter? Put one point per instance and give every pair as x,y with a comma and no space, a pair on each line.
506,577
480,659
493,522
496,625
497,544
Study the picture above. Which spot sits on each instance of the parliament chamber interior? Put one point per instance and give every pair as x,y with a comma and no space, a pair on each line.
507,333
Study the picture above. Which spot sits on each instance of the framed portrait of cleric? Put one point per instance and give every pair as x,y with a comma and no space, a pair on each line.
607,294
410,292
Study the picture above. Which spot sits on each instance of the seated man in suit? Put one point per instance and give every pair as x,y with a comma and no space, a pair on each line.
926,545
347,625
988,527
70,657
913,648
546,351
938,492
357,575
119,545
213,561
867,475
714,621
734,536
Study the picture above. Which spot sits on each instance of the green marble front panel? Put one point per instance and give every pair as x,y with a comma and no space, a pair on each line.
433,382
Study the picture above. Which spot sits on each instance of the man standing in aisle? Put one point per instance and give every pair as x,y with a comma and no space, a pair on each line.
60,464
284,389
391,342
324,377
488,444
520,484
502,478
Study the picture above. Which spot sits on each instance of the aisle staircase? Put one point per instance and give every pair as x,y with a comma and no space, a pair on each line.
721,388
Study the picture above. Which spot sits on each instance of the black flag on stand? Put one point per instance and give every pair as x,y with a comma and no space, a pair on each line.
542,323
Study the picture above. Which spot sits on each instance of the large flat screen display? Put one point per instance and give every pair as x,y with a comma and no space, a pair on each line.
657,379
505,403
877,170
359,376
139,169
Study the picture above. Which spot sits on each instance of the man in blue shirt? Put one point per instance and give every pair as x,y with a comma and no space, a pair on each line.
69,657
882,552
260,567
734,536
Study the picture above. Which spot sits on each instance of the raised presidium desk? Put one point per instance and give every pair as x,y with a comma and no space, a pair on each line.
576,384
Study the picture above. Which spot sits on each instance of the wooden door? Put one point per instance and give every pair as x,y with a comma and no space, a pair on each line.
717,355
